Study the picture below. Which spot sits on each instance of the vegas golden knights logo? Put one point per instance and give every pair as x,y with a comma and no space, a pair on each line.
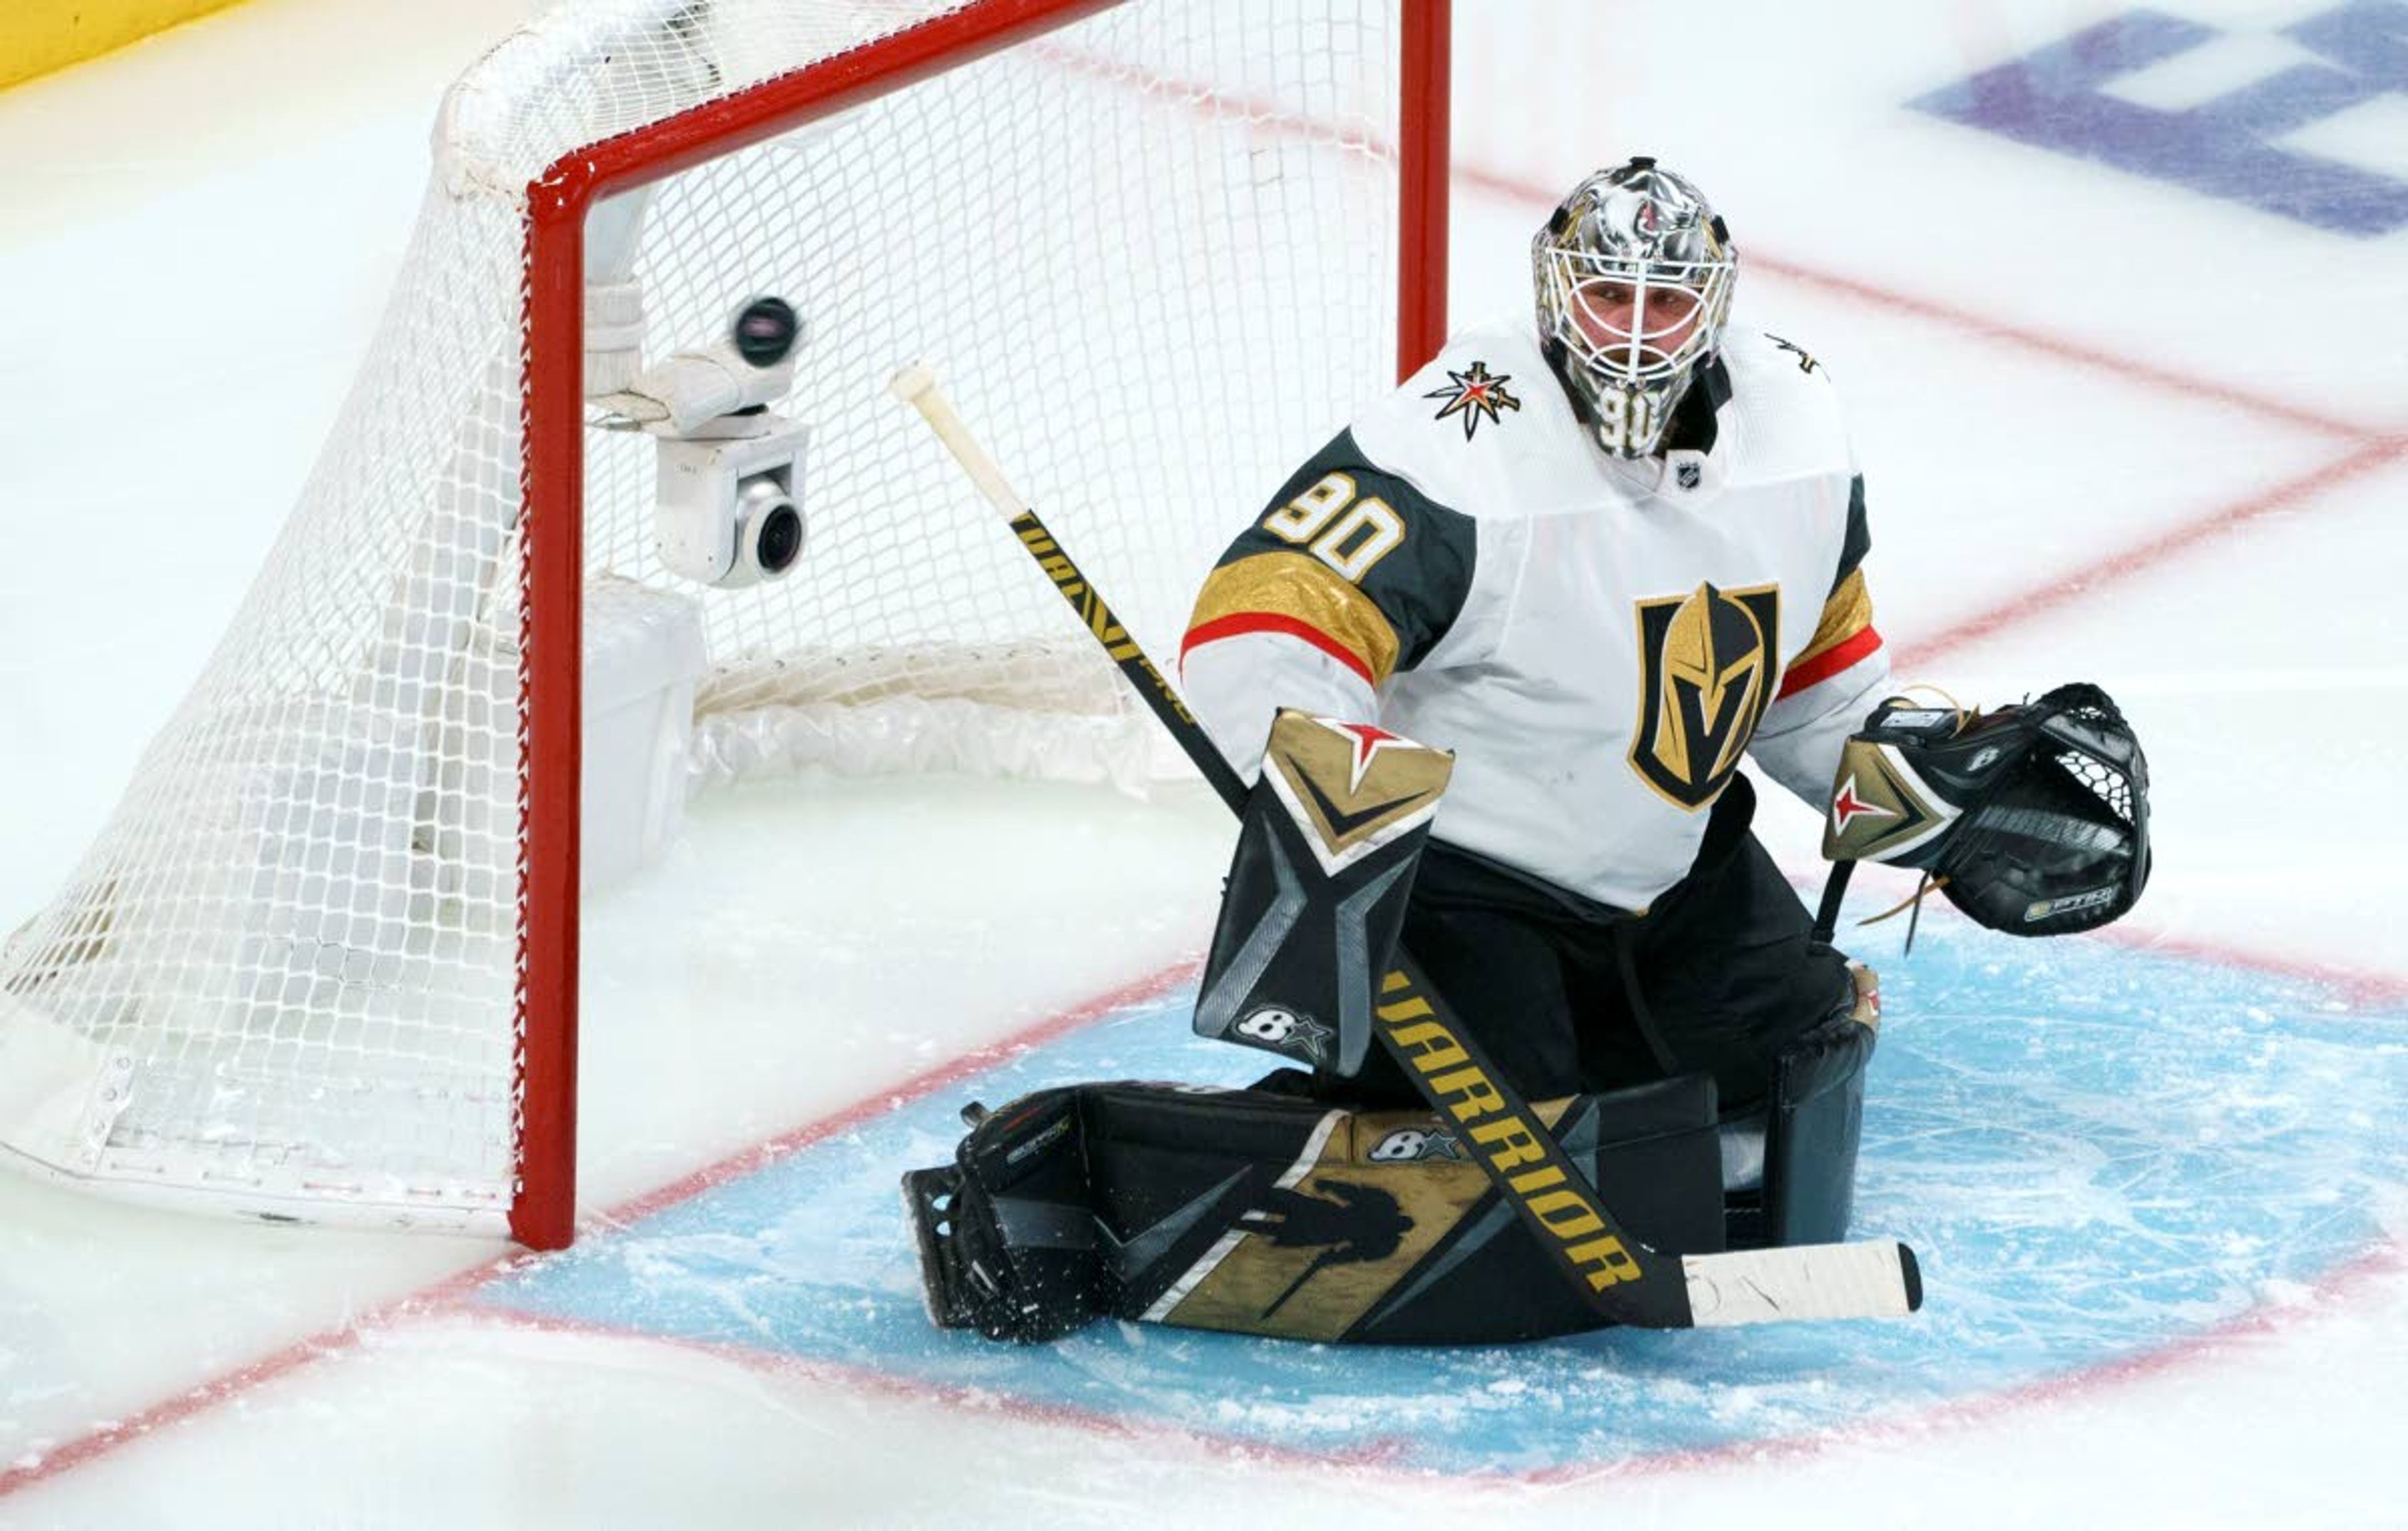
1706,666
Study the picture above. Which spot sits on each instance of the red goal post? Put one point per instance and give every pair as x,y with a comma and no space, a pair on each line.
329,948
543,1215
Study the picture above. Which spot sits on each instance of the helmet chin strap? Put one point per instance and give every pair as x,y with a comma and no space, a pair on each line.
1697,419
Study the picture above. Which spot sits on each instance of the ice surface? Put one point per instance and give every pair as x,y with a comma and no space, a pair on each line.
2104,1155
2115,425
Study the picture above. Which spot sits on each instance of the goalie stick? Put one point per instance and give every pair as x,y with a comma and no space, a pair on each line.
1623,1280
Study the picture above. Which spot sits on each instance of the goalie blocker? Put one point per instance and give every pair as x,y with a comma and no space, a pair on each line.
1327,843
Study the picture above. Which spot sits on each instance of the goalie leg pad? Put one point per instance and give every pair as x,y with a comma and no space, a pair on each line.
1006,1233
1812,1123
1261,1212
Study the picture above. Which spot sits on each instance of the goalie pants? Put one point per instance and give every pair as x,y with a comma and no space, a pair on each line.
1718,976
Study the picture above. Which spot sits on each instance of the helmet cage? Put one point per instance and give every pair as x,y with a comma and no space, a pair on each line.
1633,279
1631,333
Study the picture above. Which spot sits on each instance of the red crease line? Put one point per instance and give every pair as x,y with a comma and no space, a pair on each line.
2139,558
268,1368
455,1289
928,1082
990,1401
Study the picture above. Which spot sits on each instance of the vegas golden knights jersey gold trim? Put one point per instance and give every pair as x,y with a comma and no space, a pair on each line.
1295,588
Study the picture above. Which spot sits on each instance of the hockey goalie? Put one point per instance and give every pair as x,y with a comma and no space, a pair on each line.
1491,660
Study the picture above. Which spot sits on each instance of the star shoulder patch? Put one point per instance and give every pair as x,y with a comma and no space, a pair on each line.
1475,394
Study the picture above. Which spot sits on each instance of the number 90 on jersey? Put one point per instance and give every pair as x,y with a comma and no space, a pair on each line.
1347,530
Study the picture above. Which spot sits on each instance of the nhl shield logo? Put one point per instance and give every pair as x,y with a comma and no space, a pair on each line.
1706,675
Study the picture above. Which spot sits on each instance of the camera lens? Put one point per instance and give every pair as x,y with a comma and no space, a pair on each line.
766,330
781,539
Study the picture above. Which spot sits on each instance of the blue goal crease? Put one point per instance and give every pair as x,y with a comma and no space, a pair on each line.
2097,1152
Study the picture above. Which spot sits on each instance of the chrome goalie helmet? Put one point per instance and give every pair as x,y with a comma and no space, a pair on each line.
1633,275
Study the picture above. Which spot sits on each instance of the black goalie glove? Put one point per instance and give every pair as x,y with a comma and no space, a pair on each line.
2033,818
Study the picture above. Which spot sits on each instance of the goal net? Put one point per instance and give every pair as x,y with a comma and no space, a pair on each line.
320,965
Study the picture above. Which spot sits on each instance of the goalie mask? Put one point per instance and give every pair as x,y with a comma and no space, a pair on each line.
1633,275
2033,820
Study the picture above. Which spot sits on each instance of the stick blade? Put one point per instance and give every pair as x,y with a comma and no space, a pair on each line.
1874,1279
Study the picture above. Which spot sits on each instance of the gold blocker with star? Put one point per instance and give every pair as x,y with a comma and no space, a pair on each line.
1620,1280
1327,842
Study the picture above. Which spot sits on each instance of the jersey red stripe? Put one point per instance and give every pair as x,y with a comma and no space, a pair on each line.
1266,622
1830,662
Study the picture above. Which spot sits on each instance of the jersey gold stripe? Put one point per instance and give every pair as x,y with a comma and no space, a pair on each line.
1299,589
1848,612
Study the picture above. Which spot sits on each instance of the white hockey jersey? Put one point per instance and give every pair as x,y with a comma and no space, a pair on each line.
1598,641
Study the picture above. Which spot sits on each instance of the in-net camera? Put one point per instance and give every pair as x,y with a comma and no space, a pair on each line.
728,512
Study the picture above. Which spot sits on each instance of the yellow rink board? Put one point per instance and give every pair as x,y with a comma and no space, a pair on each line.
39,36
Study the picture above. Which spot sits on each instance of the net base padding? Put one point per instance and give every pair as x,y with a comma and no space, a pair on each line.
1038,710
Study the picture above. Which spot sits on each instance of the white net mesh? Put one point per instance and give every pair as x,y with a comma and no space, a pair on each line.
1152,256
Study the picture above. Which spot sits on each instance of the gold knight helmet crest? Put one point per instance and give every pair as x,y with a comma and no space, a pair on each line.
1706,661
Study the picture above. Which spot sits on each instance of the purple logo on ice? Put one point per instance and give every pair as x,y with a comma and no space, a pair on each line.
2061,98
